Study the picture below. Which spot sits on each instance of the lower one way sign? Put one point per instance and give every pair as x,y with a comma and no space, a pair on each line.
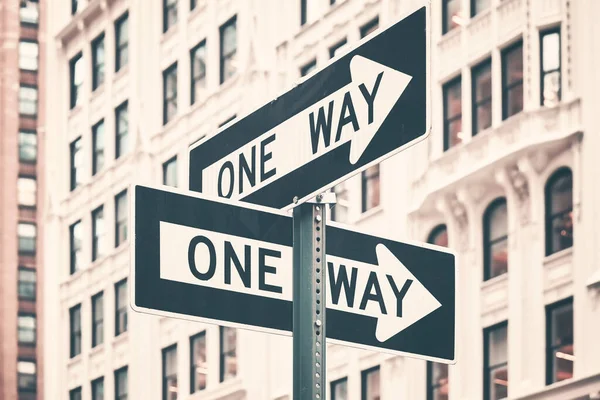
230,263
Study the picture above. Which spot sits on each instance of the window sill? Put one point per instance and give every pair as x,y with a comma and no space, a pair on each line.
200,6
74,360
97,349
172,31
118,340
494,281
559,255
121,72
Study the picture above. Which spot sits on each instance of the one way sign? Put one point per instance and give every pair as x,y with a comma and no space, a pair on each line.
360,109
231,263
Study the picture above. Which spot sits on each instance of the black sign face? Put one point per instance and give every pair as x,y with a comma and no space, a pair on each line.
230,263
360,109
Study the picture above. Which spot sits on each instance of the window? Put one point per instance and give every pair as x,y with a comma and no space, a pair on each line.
369,27
339,389
27,234
98,233
333,50
512,80
331,2
97,319
193,4
228,49
75,246
74,6
478,6
26,376
198,57
303,12
560,355
120,307
98,389
559,211
438,385
122,130
98,61
26,284
29,12
26,329
495,239
199,364
97,147
121,218
75,330
28,96
370,188
169,14
452,113
550,67
482,96
439,236
170,172
26,191
76,163
339,211
121,42
76,79
169,373
121,384
169,93
450,15
495,362
228,345
308,68
370,384
28,55
27,146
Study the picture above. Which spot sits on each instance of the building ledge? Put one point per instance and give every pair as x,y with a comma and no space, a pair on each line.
229,390
583,388
594,280
81,20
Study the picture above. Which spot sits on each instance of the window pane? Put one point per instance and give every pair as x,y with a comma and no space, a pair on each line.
26,191
26,329
340,390
28,56
499,383
498,345
372,383
122,130
454,132
479,6
199,364
170,172
98,144
439,381
305,70
27,146
228,353
121,214
453,100
551,84
27,375
369,28
98,389
26,285
121,383
514,100
28,100
484,117
76,236
562,194
498,221
122,39
98,60
452,9
27,237
29,12
439,237
514,65
551,51
198,71
562,231
563,363
483,82
498,258
98,233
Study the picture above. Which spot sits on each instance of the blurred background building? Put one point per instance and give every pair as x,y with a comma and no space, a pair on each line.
22,132
508,178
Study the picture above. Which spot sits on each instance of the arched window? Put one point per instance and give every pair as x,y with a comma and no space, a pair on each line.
439,236
495,239
559,211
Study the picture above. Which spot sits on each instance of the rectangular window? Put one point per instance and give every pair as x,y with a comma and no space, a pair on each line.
169,372
370,384
308,68
121,218
122,130
98,61
495,362
98,233
76,79
193,4
339,389
75,246
228,49
27,235
76,163
452,113
198,60
478,6
369,27
438,387
26,326
512,80
333,50
121,41
74,6
26,191
97,147
28,55
120,307
560,352
450,14
339,211
28,97
98,389
198,361
228,346
169,14
370,188
121,384
482,96
97,319
29,12
26,376
27,147
170,172
550,67
75,330
169,93
303,12
26,284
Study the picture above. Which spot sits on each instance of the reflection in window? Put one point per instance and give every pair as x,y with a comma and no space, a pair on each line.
198,57
26,376
228,339
98,61
75,330
27,147
512,80
121,307
122,130
495,239
76,79
121,42
27,284
370,188
169,93
75,245
76,163
121,213
438,386
98,233
121,384
450,14
339,389
369,27
559,211
452,113
550,67
560,354
333,50
98,389
26,329
97,147
28,97
199,364
496,362
169,371
97,319
170,172
27,234
371,384
169,14
439,236
228,49
482,96
478,6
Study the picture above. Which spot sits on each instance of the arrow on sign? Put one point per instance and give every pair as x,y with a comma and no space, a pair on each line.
353,113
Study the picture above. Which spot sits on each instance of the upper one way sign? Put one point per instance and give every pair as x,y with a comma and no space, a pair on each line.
363,107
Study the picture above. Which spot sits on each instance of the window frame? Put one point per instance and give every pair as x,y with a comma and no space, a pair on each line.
96,168
193,78
363,380
20,374
19,329
193,4
446,119
37,59
94,384
169,9
36,101
97,319
472,6
303,12
121,47
97,237
333,384
308,67
74,332
445,28
435,232
74,6
431,385
487,242
549,217
165,166
193,365
75,147
505,87
120,309
487,368
222,55
74,89
365,29
35,194
544,32
166,378
365,181
477,104
338,45
123,371
169,98
27,252
223,354
121,135
21,282
74,248
21,145
124,220
549,348
29,23
98,69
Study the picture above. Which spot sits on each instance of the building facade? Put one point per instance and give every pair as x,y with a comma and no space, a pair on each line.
506,178
22,76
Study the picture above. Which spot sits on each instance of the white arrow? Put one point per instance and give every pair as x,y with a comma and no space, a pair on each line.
353,113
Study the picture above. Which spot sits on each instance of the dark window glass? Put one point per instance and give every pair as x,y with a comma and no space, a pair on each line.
303,12
369,27
169,14
27,284
495,239
306,69
29,12
27,146
26,329
28,98
228,49
122,130
75,394
27,235
97,319
370,384
169,93
370,188
98,61
452,113
495,360
560,352
97,147
198,361
450,14
76,163
550,67
121,384
26,376
333,50
76,79
98,233
331,2
439,236
98,389
121,42
169,373
75,246
75,330
438,385
74,6
170,172
198,59
512,80
193,4
121,229
559,211
339,389
228,346
478,6
228,120
482,96
120,307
